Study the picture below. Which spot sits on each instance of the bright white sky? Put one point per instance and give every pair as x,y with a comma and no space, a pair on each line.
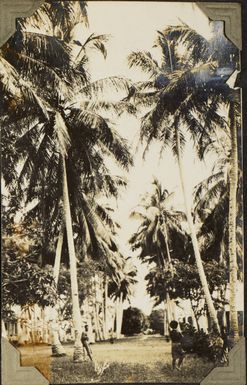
132,26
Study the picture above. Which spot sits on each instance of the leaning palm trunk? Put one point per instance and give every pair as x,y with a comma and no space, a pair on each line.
57,348
78,349
232,225
204,283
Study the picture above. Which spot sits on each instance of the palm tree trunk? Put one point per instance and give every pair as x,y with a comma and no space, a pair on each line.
119,315
78,349
209,301
4,331
97,319
193,308
169,312
57,263
102,306
165,320
167,315
232,225
95,309
57,348
167,247
106,308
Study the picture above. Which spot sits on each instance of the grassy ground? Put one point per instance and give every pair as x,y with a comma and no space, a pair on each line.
129,360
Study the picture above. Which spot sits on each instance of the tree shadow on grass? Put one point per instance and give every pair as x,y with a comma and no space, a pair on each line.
64,371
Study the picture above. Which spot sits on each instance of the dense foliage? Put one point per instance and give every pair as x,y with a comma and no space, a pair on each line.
183,282
24,282
156,321
133,321
205,345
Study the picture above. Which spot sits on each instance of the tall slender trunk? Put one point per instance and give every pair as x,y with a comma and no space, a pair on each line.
4,331
193,308
169,316
78,349
209,301
58,255
102,303
96,326
232,224
95,309
167,246
106,307
57,348
119,315
97,319
165,321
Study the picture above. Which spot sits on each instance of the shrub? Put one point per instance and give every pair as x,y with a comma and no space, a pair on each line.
156,320
133,321
205,345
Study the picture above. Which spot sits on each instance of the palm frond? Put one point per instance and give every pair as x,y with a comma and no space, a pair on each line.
189,38
45,48
98,87
47,77
93,41
209,199
144,61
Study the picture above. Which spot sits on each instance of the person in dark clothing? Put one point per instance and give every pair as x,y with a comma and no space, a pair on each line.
224,337
85,343
177,351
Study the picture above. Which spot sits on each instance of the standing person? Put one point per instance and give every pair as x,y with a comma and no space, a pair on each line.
85,343
177,351
111,336
224,337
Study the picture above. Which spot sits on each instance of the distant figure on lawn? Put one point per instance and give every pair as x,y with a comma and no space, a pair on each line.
85,343
112,336
177,351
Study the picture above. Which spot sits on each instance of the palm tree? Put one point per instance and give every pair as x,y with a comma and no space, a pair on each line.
120,288
60,138
184,95
159,223
233,177
211,199
226,55
160,232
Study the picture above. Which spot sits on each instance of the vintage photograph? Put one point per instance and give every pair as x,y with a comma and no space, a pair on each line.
122,208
